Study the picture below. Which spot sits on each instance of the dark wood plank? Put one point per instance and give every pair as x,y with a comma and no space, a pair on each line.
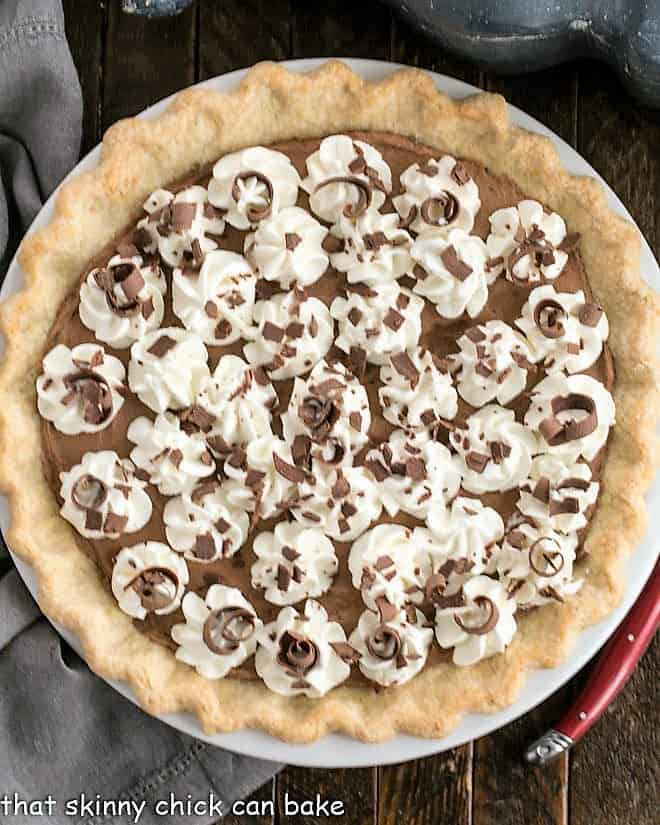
549,96
85,29
620,139
341,28
509,792
356,789
237,33
410,48
437,789
616,769
145,60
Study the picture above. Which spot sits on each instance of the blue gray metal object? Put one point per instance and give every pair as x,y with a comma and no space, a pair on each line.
515,36
154,8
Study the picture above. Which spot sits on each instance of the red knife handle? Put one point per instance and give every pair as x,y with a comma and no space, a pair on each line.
616,662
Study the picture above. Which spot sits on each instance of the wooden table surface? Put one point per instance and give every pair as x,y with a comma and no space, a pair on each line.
126,63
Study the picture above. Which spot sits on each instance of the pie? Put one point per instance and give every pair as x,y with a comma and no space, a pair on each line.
328,405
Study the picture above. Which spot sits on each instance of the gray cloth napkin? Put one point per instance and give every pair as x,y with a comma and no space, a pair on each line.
63,731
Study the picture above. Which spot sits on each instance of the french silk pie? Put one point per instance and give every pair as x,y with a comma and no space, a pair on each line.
328,405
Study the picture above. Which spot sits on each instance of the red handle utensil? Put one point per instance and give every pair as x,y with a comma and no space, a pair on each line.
612,670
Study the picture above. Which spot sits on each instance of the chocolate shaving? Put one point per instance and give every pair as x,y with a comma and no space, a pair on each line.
332,244
89,492
553,558
557,432
386,610
384,643
114,523
404,365
162,346
454,265
364,194
439,210
477,461
297,653
548,317
357,362
393,319
204,547
292,240
489,623
541,489
288,471
271,332
225,629
157,588
254,213
590,314
94,394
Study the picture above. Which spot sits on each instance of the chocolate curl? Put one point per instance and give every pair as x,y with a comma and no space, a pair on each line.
548,317
364,194
489,623
552,558
225,629
558,432
440,210
254,213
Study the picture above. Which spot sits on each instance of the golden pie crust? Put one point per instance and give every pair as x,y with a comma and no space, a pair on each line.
273,105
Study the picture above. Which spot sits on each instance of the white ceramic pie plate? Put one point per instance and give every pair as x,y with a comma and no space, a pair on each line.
341,751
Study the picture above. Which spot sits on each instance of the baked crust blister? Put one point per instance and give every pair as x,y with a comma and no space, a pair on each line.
272,105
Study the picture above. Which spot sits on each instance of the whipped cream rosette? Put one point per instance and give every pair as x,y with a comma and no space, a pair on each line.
389,563
261,478
438,194
572,414
393,644
80,389
558,493
181,228
201,523
372,248
167,368
535,564
416,389
252,185
220,631
303,654
172,458
346,177
564,331
103,498
413,473
377,322
288,248
293,332
466,531
149,578
328,416
493,451
482,625
238,399
460,543
450,271
123,300
341,502
293,563
216,302
493,364
524,243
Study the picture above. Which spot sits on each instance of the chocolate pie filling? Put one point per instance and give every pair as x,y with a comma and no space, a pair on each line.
343,602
